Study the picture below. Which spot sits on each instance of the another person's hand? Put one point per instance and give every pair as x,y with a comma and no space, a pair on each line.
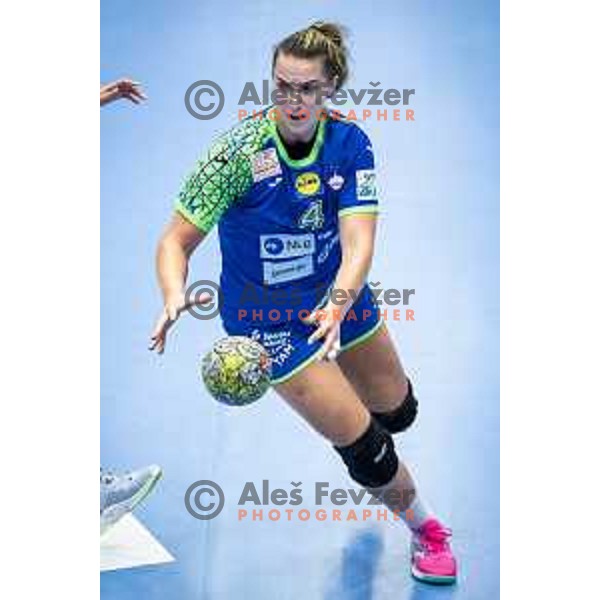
174,306
122,88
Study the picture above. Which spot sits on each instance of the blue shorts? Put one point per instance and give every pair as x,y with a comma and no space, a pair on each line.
287,342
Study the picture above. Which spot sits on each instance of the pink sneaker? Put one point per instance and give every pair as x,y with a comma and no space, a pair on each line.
432,558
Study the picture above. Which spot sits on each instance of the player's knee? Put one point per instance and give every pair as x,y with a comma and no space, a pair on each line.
371,460
401,418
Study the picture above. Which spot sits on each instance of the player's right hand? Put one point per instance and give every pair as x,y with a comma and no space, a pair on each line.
170,313
174,306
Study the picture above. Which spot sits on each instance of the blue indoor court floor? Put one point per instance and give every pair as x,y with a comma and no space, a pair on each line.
439,235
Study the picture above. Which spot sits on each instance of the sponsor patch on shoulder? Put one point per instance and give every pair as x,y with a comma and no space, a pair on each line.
365,185
265,164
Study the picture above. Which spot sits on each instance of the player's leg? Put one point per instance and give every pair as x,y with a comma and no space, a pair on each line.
370,362
325,398
374,369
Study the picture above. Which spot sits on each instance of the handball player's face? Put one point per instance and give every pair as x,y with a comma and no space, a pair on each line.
303,86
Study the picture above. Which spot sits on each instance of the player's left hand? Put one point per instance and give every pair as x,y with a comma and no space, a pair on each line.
329,324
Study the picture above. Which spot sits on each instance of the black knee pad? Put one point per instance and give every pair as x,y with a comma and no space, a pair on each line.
371,460
403,417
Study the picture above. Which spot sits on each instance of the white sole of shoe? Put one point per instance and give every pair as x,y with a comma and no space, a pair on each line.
435,579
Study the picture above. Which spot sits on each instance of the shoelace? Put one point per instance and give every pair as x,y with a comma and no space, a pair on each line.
436,540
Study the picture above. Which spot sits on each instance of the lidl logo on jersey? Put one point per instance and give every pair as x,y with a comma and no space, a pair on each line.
265,164
365,185
287,245
308,184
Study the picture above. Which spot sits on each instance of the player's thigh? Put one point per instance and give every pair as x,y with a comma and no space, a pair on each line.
325,398
374,369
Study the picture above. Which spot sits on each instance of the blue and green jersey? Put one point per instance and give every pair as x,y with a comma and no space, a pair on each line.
278,218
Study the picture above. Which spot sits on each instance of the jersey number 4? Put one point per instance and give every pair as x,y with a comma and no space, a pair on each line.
312,218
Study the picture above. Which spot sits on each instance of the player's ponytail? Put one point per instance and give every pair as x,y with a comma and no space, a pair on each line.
320,40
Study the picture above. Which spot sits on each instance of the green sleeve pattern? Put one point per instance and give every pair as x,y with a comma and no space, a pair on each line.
222,175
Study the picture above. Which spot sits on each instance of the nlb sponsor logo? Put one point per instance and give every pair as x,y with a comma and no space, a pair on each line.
286,245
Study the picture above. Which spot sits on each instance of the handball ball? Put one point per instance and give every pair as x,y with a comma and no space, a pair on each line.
237,371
